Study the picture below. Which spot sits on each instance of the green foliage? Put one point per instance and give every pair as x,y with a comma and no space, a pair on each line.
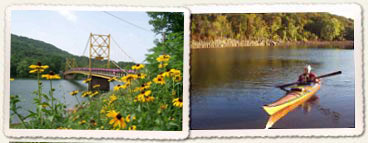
173,25
160,113
167,22
331,29
275,26
172,46
50,113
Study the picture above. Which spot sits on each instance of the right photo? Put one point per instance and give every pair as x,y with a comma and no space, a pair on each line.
272,71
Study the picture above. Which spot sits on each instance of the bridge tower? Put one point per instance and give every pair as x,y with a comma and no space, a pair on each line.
69,64
99,49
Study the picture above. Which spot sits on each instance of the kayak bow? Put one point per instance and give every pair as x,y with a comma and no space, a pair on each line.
293,98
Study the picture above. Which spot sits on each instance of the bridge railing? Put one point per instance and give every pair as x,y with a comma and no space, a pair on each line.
110,72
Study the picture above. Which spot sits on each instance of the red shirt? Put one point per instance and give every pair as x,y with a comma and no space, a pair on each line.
311,77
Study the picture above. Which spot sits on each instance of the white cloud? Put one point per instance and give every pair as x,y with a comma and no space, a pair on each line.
68,15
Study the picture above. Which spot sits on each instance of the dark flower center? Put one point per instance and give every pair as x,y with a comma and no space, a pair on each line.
52,73
92,121
137,65
159,79
180,100
118,116
39,63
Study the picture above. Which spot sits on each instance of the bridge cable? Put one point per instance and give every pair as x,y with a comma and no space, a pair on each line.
116,64
85,49
123,50
126,21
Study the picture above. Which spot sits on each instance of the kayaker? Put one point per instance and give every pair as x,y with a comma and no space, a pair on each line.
308,77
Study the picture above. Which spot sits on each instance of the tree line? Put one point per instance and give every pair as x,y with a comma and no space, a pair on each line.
273,26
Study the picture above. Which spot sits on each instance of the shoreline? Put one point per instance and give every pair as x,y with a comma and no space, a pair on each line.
232,43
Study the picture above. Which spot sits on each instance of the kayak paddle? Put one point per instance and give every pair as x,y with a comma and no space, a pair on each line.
322,76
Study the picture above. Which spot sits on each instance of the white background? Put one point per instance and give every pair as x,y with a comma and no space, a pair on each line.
363,3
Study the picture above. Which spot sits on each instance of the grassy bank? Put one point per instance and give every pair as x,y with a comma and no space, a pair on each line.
232,43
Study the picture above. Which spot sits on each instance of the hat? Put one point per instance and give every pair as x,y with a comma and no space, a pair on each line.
308,67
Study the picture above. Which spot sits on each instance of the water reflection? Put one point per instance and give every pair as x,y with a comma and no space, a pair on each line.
230,85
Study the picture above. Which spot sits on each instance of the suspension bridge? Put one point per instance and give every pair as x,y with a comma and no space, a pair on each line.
99,50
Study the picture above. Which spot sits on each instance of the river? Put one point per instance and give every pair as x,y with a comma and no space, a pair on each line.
229,86
24,88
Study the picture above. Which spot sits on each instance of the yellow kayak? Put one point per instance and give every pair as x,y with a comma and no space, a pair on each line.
295,98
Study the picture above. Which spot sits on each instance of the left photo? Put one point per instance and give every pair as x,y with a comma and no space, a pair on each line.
96,70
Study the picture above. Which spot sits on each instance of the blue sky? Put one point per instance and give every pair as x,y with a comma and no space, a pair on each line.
69,30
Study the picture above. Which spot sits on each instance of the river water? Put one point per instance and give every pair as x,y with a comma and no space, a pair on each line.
24,88
229,86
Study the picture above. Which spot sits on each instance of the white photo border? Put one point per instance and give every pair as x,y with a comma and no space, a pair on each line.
95,134
297,8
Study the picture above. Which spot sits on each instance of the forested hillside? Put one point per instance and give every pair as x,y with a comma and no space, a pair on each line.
271,26
26,51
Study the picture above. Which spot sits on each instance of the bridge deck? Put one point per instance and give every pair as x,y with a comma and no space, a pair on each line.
99,72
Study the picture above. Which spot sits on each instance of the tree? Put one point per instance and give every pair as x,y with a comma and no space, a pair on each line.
331,28
167,22
172,24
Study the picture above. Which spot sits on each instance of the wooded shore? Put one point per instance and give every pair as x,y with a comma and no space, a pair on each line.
232,43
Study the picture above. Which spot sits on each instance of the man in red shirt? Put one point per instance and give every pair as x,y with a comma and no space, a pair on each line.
308,77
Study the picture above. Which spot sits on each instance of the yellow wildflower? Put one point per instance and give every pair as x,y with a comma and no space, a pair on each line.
163,106
133,127
86,93
113,98
94,94
177,78
146,93
127,118
138,89
125,85
128,78
177,102
39,68
75,92
82,122
163,58
162,65
11,79
87,80
149,98
137,66
159,80
117,119
51,76
102,111
117,87
142,75
96,86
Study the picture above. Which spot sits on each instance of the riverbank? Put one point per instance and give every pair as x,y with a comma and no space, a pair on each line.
231,43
